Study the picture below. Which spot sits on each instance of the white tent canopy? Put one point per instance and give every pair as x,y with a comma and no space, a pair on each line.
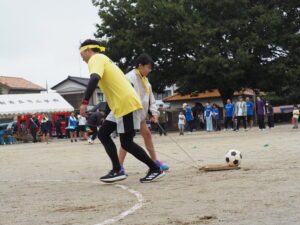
18,104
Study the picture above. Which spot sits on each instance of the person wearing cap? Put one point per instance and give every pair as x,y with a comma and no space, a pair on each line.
162,119
125,107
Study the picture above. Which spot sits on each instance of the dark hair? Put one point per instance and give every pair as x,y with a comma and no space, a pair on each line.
91,42
296,105
143,59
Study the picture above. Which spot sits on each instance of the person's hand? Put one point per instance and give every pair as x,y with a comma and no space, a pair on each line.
83,110
154,119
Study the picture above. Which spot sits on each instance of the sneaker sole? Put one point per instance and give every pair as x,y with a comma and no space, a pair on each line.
111,180
156,178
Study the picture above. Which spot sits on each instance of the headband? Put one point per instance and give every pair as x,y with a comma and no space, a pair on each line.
102,49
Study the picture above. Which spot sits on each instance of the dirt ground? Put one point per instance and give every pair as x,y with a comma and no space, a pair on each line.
58,183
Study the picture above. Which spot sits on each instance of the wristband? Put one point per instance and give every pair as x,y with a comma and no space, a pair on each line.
84,102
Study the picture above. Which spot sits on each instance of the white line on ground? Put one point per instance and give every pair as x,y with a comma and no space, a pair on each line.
122,215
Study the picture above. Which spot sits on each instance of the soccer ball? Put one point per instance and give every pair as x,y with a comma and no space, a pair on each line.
233,157
90,141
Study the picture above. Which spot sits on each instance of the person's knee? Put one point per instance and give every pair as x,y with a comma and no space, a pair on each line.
102,135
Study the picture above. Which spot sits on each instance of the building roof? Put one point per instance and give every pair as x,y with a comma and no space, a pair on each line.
19,83
18,104
80,80
284,108
207,94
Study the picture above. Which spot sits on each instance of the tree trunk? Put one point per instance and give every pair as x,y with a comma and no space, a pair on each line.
226,94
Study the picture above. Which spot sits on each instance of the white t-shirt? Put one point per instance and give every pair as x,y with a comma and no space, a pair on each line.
81,120
239,108
181,119
296,113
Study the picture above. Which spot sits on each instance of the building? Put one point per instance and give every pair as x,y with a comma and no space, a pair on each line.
18,85
213,96
73,88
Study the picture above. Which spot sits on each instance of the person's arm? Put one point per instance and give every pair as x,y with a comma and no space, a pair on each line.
152,106
91,87
96,68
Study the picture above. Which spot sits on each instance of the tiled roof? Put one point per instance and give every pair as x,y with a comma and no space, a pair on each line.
207,94
19,83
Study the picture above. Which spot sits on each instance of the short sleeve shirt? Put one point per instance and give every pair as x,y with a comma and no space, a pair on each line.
120,95
208,111
229,108
216,112
250,106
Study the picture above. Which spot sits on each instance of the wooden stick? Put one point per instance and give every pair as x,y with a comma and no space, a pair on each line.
219,168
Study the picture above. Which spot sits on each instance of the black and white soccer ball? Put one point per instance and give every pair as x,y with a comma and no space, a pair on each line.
233,157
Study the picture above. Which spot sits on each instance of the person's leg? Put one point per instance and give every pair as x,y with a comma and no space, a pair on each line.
259,121
226,123
263,122
145,132
272,120
160,130
218,125
238,122
295,122
104,136
164,127
94,133
71,135
33,133
190,125
244,122
137,151
231,122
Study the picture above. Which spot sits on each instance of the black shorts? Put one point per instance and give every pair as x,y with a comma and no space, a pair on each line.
81,128
45,131
249,118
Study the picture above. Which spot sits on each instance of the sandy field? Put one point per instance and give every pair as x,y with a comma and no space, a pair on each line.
58,183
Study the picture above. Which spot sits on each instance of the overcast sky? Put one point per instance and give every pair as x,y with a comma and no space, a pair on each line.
39,39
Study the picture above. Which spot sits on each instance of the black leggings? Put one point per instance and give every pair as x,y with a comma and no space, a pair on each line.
127,143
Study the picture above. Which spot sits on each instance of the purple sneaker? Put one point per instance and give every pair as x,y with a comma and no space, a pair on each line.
123,171
163,166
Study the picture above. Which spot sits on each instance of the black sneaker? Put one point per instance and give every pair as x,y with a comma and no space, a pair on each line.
152,176
113,176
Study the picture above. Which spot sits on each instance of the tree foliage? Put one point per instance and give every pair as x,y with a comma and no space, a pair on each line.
206,44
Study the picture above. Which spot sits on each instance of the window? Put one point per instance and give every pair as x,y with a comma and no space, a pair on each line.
100,97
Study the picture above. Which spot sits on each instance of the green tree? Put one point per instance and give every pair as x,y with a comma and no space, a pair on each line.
207,44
